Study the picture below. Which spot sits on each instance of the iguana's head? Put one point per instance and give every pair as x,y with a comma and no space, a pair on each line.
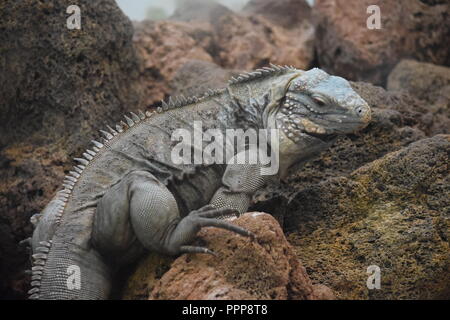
318,106
315,109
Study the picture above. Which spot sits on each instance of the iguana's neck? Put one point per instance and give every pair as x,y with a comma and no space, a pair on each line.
254,102
294,154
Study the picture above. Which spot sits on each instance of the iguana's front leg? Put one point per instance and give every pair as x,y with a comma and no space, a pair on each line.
141,208
240,182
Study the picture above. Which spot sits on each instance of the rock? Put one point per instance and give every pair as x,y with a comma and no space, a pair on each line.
410,29
243,269
425,81
287,13
431,84
165,46
140,284
58,81
199,10
392,213
415,113
195,77
232,41
57,87
254,42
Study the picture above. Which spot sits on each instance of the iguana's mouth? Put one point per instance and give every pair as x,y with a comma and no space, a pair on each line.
323,137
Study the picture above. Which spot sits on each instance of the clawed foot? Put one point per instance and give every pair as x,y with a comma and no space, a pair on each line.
208,216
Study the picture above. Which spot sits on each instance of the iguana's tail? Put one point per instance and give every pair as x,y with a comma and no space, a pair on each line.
63,269
70,272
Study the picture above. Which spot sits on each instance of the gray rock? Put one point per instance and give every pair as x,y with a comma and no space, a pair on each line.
425,81
57,87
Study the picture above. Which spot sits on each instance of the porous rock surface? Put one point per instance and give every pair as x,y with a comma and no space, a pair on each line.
58,87
409,29
264,268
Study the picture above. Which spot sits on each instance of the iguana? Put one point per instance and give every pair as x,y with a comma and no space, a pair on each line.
126,196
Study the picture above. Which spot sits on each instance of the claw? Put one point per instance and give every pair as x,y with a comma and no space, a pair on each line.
252,236
206,222
193,249
216,213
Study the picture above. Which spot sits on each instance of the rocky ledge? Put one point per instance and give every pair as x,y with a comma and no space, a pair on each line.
263,268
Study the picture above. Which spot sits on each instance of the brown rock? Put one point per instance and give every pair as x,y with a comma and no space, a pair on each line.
425,81
139,285
286,13
410,29
165,46
322,292
195,77
253,42
199,10
230,40
415,113
57,81
244,269
392,213
431,84
57,87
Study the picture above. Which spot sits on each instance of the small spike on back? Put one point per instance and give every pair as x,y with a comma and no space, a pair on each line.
259,73
135,117
114,132
107,135
71,178
74,174
33,290
164,104
129,121
119,128
172,102
97,144
82,161
88,156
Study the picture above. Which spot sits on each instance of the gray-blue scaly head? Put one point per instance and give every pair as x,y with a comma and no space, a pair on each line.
315,109
321,106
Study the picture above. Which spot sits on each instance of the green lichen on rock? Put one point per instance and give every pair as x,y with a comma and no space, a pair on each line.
393,213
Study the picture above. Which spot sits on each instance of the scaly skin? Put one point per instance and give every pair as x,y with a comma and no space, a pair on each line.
126,195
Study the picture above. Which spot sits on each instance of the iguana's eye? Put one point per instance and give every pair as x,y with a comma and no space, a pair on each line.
319,101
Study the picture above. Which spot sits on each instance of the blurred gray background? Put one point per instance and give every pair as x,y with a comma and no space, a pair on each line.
161,9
